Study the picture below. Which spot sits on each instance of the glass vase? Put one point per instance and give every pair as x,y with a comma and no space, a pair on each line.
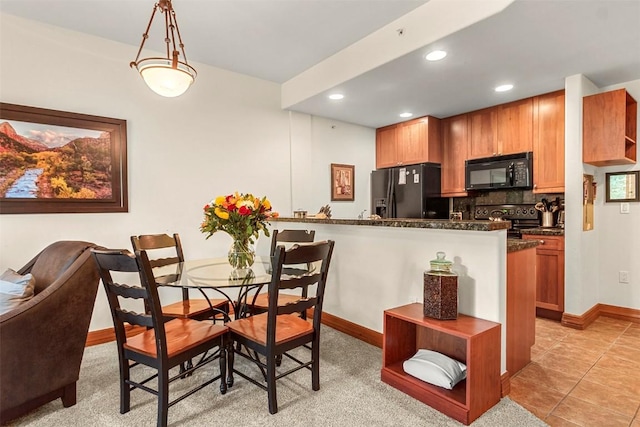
241,254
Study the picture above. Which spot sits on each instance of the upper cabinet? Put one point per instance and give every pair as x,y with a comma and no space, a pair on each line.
548,143
455,138
515,127
609,128
505,129
407,143
386,143
483,133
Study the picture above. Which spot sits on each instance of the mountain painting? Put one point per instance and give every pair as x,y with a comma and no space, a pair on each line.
41,161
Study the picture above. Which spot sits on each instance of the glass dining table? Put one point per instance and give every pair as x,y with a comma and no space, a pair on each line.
237,286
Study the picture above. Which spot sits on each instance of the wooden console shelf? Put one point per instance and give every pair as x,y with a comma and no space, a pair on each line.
473,341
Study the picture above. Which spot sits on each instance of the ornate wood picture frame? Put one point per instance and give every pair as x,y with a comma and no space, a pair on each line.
61,162
342,182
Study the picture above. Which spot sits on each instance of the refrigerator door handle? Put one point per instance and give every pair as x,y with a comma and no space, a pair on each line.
391,196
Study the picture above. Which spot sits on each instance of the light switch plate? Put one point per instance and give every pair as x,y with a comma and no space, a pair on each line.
624,208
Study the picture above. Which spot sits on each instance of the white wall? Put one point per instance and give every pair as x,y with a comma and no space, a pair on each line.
377,268
227,133
618,234
581,247
593,258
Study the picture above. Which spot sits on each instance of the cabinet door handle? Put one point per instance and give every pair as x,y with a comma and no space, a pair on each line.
542,242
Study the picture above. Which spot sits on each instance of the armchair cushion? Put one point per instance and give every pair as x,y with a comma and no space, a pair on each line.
15,289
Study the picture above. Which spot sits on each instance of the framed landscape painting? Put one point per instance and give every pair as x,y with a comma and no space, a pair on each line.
59,162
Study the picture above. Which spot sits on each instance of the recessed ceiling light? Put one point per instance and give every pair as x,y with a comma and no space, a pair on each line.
503,88
405,115
336,96
436,55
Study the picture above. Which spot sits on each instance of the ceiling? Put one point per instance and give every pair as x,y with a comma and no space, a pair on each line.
533,44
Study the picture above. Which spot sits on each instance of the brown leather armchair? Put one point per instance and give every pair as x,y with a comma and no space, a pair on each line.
42,341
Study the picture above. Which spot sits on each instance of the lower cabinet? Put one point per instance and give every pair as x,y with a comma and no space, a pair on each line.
521,308
475,342
549,276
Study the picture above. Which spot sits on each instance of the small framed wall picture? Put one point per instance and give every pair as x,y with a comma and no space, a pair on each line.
622,186
342,182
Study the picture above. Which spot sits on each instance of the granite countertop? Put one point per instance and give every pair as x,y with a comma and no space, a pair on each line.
544,231
440,224
514,245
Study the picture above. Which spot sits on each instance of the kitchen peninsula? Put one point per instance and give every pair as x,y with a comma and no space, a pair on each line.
379,264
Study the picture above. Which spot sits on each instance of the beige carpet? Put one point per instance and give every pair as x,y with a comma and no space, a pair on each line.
351,394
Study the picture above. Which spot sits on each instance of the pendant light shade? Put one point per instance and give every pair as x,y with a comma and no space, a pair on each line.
168,76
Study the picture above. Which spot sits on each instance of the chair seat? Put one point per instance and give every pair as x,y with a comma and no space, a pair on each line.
182,334
192,307
288,327
262,300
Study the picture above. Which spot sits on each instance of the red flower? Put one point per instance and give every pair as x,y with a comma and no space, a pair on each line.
244,211
206,207
231,208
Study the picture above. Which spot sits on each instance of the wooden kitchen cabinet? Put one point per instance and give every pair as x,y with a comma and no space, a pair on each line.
609,128
475,342
455,141
521,308
483,133
409,143
386,146
549,276
548,143
501,130
515,127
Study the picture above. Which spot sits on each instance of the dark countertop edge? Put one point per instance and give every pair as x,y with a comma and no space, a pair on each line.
514,245
434,224
544,231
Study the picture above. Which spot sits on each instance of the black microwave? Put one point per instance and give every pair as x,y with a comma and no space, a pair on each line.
500,172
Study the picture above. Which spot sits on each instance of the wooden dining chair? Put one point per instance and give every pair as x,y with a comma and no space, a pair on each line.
260,302
169,251
279,330
165,343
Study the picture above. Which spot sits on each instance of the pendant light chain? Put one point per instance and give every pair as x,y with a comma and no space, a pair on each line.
167,76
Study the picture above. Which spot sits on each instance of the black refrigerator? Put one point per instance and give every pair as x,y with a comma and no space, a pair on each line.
408,192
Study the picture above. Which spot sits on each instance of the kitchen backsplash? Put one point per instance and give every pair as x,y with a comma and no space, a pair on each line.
467,205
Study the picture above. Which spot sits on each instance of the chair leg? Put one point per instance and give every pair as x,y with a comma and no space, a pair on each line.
163,397
315,365
125,390
230,360
271,383
223,366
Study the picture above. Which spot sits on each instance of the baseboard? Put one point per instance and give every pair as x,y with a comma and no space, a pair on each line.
102,336
587,318
505,384
622,313
352,329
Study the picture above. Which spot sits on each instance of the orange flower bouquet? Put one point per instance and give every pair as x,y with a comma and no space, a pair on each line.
241,216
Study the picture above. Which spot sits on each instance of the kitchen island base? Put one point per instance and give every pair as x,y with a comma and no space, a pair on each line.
473,341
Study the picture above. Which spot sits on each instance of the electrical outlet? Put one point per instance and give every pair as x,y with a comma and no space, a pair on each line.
623,276
624,208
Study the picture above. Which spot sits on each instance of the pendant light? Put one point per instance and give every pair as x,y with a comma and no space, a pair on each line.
168,76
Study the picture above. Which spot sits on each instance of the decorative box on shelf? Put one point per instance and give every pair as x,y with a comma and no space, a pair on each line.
441,290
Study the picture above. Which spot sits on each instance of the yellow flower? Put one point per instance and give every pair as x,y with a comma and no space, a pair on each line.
221,214
220,200
266,204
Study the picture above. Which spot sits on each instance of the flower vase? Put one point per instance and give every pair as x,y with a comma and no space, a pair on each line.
241,254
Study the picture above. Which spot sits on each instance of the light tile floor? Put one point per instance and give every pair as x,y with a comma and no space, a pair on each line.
585,377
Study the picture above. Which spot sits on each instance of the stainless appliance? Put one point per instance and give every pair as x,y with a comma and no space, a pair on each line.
408,192
522,216
500,172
